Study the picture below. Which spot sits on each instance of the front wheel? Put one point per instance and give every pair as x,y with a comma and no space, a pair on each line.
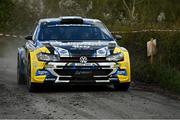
122,86
32,87
20,76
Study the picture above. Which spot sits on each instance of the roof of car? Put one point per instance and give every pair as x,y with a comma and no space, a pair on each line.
51,20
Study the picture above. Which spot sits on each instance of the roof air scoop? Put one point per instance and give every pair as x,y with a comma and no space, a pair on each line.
71,20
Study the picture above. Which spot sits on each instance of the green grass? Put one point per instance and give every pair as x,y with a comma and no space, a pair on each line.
169,78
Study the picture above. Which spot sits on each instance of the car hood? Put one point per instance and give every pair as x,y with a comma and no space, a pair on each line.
77,49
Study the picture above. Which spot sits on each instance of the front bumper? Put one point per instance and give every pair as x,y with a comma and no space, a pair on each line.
101,72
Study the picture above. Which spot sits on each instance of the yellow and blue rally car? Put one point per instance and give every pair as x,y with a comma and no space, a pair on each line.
73,50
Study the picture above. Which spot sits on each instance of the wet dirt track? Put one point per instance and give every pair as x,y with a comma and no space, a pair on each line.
74,102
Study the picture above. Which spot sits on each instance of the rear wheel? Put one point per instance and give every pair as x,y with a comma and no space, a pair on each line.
20,76
32,87
122,86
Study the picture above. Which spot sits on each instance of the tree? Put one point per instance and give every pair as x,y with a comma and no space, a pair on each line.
6,8
130,6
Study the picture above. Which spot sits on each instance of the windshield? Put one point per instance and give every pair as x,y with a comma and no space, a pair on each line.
74,33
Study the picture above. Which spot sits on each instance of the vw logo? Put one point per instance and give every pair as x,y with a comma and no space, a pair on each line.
83,59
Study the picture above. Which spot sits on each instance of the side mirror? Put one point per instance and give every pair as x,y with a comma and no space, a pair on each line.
111,46
29,37
118,37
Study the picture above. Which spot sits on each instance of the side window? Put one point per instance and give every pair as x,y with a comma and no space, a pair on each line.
35,33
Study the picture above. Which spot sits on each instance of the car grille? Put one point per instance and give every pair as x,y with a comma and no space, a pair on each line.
83,72
90,59
78,53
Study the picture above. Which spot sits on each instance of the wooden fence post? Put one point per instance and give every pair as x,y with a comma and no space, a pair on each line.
151,49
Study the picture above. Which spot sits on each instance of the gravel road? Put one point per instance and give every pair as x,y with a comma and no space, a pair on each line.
97,102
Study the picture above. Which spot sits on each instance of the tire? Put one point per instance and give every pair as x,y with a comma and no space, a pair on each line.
122,86
32,87
20,76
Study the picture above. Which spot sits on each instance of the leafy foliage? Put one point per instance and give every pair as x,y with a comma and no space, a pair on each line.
6,7
114,13
166,67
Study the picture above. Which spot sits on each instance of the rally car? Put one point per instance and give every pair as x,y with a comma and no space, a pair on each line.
72,50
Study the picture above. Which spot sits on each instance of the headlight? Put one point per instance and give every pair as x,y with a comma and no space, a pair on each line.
116,57
103,52
62,52
48,57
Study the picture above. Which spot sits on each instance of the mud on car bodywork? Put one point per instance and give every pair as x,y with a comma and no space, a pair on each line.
73,50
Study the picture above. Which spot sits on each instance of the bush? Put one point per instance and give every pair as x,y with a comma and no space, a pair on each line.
6,7
165,70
